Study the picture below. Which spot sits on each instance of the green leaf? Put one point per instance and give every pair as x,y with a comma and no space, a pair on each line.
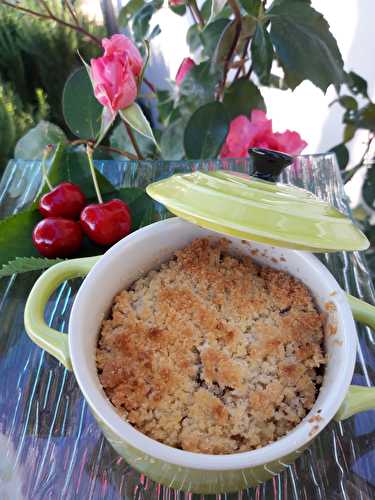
304,45
252,7
349,132
211,35
357,84
206,131
82,112
15,235
277,82
200,82
364,118
142,207
180,10
172,141
348,102
165,105
368,188
120,139
241,98
33,143
342,155
206,10
227,38
156,30
86,66
262,53
128,11
74,167
107,120
216,7
25,264
149,215
141,22
133,115
193,38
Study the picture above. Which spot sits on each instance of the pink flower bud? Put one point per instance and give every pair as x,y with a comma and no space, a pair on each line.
123,46
114,74
187,65
114,83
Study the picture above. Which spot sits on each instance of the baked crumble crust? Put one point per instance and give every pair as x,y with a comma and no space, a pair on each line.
212,353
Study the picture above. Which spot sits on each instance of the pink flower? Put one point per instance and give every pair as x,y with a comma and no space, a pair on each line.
176,3
123,46
257,132
238,138
260,123
114,83
290,142
186,66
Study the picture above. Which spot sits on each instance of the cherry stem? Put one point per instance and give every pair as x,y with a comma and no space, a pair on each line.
89,152
46,153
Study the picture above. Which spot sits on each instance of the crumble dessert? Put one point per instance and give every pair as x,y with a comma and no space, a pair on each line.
212,353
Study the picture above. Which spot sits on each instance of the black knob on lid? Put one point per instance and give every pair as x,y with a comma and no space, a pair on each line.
268,164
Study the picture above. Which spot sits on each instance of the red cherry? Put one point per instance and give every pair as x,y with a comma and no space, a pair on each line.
106,223
65,200
56,237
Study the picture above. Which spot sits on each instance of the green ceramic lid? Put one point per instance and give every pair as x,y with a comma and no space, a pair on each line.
252,209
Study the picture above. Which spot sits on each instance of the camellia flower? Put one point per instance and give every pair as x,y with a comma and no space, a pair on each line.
245,133
114,75
187,65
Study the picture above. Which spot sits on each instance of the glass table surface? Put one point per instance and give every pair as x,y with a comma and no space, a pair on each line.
51,446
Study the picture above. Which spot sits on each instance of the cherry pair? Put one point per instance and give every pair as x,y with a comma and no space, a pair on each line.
60,234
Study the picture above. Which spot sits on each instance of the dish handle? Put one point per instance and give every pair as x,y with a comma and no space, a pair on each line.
359,398
362,312
52,341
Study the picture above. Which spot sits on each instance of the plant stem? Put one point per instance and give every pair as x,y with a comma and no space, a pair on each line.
150,85
53,18
197,12
244,52
193,15
72,12
46,153
248,74
121,152
46,7
237,15
89,151
350,173
133,141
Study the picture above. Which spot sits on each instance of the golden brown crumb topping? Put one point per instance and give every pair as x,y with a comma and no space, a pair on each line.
212,353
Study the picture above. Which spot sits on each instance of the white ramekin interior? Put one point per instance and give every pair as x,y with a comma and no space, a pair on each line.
144,250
